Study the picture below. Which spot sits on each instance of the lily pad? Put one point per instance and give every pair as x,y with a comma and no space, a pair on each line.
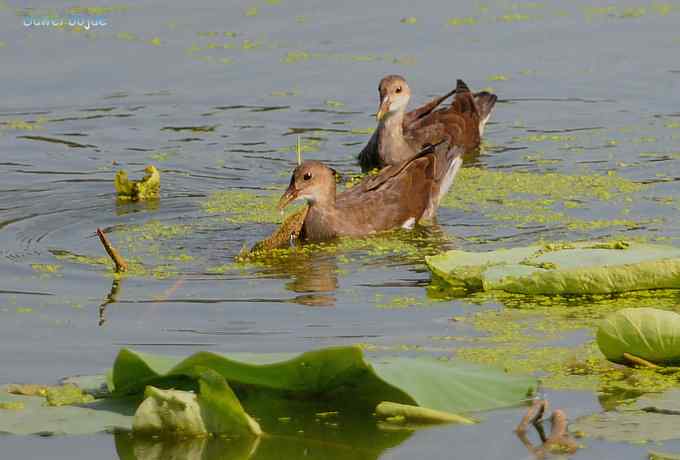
35,417
653,418
575,268
339,380
334,374
647,333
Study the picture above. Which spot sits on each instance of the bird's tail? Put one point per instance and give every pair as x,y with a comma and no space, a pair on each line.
463,101
449,159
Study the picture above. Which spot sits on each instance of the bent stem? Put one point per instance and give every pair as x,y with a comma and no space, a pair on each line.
559,439
637,361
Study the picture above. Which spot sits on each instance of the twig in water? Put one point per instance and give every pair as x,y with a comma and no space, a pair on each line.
121,265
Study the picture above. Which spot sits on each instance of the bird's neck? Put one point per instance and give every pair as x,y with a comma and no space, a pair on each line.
391,135
324,200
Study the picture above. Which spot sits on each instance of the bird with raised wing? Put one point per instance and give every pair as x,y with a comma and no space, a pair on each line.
399,196
401,135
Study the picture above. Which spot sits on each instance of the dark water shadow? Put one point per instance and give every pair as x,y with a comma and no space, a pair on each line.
309,430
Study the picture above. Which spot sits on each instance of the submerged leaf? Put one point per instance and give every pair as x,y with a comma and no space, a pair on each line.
653,418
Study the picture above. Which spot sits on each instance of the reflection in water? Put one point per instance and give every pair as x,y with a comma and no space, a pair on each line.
111,297
127,207
133,448
316,278
314,269
310,428
334,444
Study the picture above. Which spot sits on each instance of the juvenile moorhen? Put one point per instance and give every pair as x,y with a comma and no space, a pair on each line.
400,134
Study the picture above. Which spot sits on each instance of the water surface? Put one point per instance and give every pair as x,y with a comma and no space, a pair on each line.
214,98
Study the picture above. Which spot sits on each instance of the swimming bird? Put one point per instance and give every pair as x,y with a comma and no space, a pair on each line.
400,134
398,196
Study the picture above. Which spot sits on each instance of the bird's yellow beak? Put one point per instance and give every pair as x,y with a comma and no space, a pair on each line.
289,195
383,109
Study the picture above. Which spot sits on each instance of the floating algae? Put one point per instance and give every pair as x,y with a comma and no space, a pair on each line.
530,198
528,334
243,206
147,249
527,198
66,395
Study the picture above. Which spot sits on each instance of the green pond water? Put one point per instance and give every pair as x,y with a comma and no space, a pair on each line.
584,143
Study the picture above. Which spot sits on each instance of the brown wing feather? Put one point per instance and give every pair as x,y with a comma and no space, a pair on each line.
459,124
425,109
403,195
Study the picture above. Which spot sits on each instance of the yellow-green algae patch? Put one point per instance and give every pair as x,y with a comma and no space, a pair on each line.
147,248
244,206
532,334
46,268
409,246
66,395
8,405
531,198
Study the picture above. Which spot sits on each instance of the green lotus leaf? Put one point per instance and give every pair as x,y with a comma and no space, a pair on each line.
647,333
271,388
334,373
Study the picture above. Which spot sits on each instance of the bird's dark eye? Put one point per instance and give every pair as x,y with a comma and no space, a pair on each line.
398,90
307,176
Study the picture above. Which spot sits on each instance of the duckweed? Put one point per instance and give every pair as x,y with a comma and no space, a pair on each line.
242,206
46,268
514,337
530,198
462,21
